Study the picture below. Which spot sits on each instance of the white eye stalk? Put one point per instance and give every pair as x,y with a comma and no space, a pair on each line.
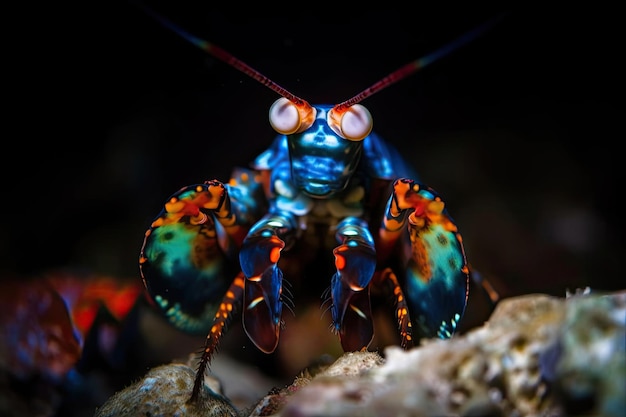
355,123
286,117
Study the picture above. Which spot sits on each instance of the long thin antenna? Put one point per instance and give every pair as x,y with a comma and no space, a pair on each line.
416,65
390,79
225,56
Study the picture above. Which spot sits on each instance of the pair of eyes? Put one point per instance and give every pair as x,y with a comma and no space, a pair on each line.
352,123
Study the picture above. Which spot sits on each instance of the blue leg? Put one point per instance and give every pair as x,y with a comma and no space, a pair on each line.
355,260
259,255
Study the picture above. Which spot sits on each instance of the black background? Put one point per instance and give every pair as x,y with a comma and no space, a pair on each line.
109,113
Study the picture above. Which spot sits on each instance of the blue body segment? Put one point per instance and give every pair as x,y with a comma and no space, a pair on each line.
319,144
365,199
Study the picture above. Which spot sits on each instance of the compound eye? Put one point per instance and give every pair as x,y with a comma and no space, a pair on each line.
287,117
284,116
354,123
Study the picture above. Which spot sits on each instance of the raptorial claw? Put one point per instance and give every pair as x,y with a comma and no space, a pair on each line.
437,275
263,310
408,194
352,315
355,260
182,260
259,255
188,255
262,307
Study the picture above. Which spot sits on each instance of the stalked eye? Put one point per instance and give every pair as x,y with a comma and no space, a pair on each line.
284,116
287,117
353,123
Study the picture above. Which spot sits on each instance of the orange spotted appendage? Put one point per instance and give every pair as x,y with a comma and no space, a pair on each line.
402,309
225,311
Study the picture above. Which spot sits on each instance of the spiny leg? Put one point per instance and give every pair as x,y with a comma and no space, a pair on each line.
436,271
224,313
355,260
402,310
235,206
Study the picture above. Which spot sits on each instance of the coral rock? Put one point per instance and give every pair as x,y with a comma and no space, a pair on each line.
536,356
165,391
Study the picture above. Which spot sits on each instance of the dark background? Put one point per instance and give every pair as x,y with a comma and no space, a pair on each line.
113,113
